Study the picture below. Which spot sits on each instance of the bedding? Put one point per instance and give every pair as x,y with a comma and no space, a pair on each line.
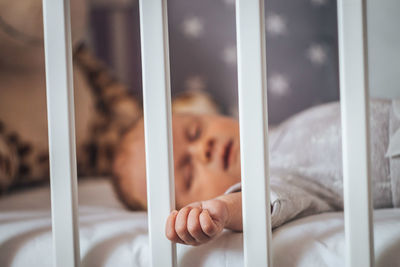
113,236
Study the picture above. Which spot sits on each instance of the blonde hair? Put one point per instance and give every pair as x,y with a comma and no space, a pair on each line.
120,179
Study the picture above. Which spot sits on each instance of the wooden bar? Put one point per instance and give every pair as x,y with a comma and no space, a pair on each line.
353,59
253,116
158,135
61,127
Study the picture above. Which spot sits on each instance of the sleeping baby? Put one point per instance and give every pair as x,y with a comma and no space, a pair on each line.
305,168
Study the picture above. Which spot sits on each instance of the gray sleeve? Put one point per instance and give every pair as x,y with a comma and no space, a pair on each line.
289,201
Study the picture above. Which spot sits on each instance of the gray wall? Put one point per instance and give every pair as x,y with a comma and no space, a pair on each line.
301,49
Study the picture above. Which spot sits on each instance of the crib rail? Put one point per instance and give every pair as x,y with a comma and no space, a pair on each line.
61,127
354,98
253,118
158,136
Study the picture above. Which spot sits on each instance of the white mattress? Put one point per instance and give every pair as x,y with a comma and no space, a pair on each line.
112,236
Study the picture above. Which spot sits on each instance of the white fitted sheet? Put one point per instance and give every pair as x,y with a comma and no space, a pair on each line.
112,236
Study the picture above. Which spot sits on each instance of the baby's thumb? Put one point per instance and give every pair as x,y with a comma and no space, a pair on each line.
209,226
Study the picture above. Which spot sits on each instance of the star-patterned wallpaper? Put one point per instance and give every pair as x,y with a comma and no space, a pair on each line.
302,64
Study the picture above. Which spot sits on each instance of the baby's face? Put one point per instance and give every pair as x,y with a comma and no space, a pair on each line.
206,158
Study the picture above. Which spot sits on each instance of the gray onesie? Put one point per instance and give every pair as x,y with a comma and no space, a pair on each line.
306,161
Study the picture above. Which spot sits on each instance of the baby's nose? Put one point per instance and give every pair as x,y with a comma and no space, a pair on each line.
204,150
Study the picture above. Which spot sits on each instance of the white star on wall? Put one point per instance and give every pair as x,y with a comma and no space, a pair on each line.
195,82
278,84
276,24
193,27
229,55
319,2
316,54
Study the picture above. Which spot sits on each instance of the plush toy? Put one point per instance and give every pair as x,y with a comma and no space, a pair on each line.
103,106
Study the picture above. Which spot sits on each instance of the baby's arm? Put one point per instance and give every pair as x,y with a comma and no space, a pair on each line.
200,222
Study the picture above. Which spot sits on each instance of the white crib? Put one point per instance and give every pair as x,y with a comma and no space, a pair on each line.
253,117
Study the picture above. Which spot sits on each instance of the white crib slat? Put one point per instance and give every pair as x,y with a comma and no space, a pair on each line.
253,118
355,132
61,127
158,135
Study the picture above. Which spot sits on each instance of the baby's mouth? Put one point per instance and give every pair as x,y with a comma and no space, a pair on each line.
227,153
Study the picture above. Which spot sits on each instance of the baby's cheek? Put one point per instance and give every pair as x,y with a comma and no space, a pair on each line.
207,184
215,186
183,199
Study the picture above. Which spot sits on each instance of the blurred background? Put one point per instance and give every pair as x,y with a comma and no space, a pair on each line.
301,49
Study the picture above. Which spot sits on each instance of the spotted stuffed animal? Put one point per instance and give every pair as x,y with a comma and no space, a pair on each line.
113,110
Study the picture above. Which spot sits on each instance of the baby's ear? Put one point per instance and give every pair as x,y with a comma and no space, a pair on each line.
195,102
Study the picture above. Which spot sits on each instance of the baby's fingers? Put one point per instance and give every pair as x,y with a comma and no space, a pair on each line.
209,227
194,227
181,226
170,228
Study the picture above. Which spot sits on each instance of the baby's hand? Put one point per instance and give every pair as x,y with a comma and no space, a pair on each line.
197,223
